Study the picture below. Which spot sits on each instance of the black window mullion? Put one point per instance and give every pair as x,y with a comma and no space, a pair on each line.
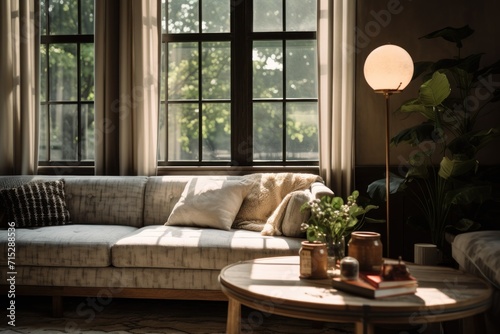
200,98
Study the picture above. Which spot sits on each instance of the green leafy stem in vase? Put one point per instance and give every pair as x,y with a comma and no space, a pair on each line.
331,218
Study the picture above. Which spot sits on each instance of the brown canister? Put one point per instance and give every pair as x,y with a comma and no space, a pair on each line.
313,260
366,247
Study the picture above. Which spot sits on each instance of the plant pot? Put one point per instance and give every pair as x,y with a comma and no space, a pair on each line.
427,254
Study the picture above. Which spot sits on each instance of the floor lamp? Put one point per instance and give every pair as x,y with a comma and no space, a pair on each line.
388,69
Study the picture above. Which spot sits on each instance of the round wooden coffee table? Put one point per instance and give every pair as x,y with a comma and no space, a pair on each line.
272,285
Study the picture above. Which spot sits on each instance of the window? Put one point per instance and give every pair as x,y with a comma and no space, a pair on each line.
66,119
238,83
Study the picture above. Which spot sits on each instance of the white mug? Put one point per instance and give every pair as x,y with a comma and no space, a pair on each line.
427,254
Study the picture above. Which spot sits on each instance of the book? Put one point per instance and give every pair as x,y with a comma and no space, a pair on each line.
364,289
379,282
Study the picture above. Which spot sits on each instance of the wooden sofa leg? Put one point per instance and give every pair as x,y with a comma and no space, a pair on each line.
57,306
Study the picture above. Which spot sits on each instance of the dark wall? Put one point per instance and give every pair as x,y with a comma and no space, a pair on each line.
402,22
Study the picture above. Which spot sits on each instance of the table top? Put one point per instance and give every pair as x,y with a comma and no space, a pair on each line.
273,284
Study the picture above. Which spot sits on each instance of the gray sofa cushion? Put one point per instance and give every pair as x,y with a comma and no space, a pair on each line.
67,245
106,200
98,200
196,248
161,195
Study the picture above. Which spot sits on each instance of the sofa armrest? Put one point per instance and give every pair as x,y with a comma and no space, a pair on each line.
318,190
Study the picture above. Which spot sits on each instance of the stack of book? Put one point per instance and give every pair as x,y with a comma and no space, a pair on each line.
372,285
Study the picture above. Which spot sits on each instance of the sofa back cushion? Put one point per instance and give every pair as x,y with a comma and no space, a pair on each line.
163,193
108,200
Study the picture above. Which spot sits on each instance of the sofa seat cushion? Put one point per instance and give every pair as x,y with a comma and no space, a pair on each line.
196,248
65,246
479,253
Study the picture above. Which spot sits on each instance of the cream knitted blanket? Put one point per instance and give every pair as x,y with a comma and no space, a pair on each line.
263,208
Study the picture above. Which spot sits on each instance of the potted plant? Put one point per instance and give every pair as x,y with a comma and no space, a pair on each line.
332,220
443,173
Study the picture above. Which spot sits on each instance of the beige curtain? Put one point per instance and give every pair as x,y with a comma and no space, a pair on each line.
127,96
336,45
18,88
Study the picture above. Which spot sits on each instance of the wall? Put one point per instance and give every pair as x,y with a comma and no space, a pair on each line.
402,22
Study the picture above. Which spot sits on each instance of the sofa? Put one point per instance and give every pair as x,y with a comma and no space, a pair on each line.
478,253
162,237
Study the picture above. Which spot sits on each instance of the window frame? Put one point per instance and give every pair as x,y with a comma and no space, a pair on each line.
241,38
47,166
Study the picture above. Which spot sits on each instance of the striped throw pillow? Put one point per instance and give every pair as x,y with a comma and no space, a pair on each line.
36,204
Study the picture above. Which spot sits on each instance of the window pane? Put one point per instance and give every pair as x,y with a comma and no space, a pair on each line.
88,130
267,131
63,15
43,152
163,16
43,73
43,18
87,7
216,16
162,133
267,69
63,72
301,15
216,131
183,16
267,15
87,71
301,69
63,132
163,69
183,132
182,71
216,70
302,131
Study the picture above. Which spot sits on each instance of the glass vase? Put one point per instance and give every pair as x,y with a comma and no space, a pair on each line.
336,252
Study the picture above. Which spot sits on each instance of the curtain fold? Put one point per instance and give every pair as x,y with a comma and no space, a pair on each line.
127,111
18,88
336,53
107,95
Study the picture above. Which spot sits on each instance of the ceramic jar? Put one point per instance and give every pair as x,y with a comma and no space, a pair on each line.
366,247
313,260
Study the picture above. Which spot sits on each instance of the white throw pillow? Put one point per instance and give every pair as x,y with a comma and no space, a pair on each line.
209,202
294,217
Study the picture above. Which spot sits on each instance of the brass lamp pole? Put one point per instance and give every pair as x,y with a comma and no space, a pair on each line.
388,69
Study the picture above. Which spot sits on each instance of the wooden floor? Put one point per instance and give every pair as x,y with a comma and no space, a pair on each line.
139,316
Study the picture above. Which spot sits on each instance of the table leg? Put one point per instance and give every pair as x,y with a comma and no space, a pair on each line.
363,328
233,325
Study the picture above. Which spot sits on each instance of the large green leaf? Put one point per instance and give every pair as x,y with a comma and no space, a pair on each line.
376,189
469,144
434,91
454,35
415,135
415,106
472,193
454,168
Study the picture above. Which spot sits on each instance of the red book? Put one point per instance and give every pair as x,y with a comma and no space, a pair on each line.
378,282
361,288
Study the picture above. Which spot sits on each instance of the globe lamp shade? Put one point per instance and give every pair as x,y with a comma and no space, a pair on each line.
388,68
